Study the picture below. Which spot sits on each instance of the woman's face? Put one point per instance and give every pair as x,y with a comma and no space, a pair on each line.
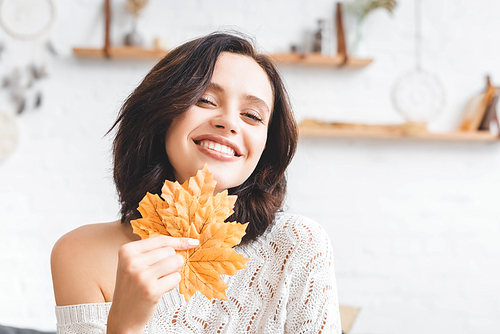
227,128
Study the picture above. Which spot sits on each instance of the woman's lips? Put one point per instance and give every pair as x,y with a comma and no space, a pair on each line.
217,147
218,140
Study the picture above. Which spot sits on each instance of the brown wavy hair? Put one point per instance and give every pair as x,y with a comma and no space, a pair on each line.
173,85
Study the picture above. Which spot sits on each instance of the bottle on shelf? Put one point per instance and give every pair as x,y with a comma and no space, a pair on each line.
318,37
322,42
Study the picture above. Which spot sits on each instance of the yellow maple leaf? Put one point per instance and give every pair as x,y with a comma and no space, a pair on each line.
191,210
151,224
214,256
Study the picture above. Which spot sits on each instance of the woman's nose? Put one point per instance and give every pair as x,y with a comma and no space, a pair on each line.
227,120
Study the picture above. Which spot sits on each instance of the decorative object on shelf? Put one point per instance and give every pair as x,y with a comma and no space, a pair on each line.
360,10
418,95
26,19
160,43
134,38
322,42
136,7
318,36
480,111
9,135
490,119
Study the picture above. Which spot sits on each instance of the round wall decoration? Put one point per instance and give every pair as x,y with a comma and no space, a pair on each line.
418,95
26,19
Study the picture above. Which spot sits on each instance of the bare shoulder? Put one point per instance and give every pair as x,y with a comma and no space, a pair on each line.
84,262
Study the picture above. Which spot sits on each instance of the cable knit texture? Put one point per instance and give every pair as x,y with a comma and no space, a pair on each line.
288,287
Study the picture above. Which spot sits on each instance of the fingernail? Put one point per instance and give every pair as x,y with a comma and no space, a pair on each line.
193,242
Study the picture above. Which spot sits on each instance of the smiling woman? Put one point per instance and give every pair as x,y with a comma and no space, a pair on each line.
213,101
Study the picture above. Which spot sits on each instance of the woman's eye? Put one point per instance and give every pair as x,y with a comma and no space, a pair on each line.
205,101
254,117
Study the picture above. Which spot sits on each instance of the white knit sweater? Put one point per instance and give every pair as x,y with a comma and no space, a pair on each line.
288,287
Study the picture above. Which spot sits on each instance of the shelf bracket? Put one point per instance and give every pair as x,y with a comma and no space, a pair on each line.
341,45
107,16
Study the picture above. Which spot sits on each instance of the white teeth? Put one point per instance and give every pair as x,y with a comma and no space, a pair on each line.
217,147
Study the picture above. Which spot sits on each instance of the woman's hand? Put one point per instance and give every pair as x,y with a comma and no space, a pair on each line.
146,270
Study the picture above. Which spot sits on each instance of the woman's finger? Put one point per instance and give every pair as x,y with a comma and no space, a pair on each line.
149,244
169,282
179,243
157,254
167,266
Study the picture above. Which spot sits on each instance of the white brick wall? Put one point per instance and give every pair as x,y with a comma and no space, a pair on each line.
415,225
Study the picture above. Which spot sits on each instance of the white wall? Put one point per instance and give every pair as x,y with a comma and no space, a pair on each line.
414,225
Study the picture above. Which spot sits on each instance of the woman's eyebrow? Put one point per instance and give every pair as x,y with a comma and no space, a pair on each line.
248,97
257,100
215,87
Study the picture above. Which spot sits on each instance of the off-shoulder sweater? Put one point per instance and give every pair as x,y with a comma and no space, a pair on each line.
288,287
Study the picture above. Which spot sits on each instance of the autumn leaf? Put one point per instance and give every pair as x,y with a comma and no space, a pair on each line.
191,210
214,256
193,201
151,224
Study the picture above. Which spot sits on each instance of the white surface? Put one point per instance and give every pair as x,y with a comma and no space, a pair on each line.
414,226
9,135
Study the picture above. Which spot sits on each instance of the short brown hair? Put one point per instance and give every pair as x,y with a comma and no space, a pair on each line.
173,85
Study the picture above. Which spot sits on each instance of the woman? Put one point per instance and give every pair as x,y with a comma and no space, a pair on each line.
211,101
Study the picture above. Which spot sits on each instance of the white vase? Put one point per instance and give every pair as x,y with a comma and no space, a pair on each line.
359,47
133,38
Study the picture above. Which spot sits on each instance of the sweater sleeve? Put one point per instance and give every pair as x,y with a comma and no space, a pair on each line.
313,303
82,318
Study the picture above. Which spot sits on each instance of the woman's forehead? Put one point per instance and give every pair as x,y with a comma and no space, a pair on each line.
240,74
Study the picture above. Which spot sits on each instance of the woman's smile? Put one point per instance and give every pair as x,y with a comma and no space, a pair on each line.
218,144
216,151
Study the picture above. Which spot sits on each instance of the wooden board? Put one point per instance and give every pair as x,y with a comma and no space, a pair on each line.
314,59
347,316
310,128
279,58
120,52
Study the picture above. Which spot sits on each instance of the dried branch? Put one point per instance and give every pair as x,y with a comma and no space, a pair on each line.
136,6
361,8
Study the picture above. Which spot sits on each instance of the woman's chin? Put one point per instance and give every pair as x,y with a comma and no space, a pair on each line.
220,187
223,183
228,176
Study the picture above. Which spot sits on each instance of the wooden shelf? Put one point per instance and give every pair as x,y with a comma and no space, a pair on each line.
126,52
310,59
404,131
313,59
